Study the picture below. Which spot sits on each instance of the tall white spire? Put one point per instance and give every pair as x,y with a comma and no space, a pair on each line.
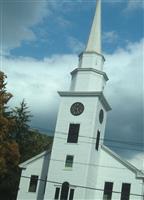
94,41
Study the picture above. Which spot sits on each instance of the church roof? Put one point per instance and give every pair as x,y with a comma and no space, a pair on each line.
92,70
94,41
139,173
29,161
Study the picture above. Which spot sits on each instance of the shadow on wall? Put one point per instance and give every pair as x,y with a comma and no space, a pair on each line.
43,178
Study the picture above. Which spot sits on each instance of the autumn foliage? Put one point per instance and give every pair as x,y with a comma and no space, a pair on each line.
9,152
17,142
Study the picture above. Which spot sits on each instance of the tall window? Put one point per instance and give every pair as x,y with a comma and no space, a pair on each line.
71,194
73,133
97,140
125,192
57,191
33,183
64,191
69,161
108,191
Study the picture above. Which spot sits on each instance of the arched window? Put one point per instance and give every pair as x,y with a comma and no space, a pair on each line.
64,191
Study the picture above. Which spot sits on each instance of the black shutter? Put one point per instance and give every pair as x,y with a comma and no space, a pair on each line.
33,183
108,191
97,140
125,192
57,193
71,194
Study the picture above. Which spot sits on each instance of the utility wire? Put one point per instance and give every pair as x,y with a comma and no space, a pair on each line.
94,165
80,186
89,164
105,139
123,148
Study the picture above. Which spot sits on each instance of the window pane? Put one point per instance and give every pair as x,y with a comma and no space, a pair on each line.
57,193
97,140
108,191
73,133
71,194
33,183
125,192
69,161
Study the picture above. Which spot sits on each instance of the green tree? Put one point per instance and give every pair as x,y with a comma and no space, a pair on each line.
34,143
30,141
22,118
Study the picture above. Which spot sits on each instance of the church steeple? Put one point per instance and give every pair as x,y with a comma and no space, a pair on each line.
92,56
94,41
89,75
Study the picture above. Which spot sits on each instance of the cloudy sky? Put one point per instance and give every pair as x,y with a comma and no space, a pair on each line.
39,44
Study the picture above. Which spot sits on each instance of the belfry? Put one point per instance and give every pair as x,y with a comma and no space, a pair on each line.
80,166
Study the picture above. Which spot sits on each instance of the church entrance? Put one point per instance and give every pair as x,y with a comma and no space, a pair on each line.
65,192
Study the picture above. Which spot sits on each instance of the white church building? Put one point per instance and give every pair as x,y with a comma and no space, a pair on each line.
80,166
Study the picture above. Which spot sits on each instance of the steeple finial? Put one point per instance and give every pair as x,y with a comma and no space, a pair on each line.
94,41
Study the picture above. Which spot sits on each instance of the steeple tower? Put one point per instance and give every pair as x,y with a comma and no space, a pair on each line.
80,124
89,75
94,41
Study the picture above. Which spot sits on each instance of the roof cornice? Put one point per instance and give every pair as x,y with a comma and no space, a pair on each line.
27,162
100,95
92,52
92,70
139,173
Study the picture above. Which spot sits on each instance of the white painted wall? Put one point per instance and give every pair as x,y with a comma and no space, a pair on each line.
111,170
82,150
87,81
91,60
37,167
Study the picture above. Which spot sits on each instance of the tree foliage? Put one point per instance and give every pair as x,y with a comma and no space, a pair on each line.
34,143
17,142
30,141
22,117
9,152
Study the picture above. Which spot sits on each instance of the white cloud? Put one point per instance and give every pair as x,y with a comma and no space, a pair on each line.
110,37
38,82
17,19
125,93
75,45
133,5
126,64
130,5
138,161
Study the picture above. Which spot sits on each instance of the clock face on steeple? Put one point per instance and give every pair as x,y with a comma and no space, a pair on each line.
77,108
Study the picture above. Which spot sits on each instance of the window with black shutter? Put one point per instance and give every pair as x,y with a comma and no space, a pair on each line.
73,133
69,161
125,192
71,194
57,191
108,191
33,183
